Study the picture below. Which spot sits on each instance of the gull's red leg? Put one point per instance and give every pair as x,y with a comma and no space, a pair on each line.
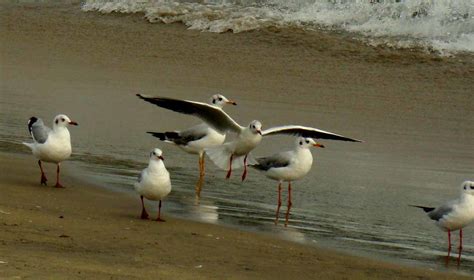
198,187
159,219
244,175
229,172
460,246
289,204
43,176
144,214
58,185
449,247
279,203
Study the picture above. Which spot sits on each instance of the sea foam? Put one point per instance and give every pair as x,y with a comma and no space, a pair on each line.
442,26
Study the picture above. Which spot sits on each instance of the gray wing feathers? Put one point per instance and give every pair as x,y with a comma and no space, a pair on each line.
38,130
275,161
439,212
183,137
213,116
306,132
140,176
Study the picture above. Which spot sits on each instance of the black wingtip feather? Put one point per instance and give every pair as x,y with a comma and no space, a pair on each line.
164,135
426,209
158,135
31,121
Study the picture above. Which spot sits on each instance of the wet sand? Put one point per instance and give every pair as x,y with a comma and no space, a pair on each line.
404,104
84,231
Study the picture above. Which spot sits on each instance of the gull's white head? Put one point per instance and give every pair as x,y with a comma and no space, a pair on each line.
220,100
306,143
468,187
63,121
156,154
255,127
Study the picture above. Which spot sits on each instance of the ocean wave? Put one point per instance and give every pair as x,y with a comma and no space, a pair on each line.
442,26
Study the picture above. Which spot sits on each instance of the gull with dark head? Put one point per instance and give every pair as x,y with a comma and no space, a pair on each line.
287,167
196,139
454,215
50,145
154,182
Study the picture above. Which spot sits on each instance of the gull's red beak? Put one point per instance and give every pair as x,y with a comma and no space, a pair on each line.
318,145
259,132
162,158
231,102
73,123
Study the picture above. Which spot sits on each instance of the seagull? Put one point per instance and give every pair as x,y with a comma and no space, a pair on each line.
196,139
454,215
50,145
235,154
288,166
154,182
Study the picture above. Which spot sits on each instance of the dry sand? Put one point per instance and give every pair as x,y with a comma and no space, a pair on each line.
84,231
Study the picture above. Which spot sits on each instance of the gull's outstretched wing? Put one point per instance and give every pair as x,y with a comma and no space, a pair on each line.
304,131
213,116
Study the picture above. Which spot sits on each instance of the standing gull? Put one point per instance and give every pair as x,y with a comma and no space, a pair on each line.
455,214
50,145
154,182
288,166
196,139
235,154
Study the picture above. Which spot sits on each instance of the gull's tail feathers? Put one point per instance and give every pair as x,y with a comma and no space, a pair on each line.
426,209
220,156
29,145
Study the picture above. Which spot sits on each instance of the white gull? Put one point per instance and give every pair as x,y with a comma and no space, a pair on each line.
50,145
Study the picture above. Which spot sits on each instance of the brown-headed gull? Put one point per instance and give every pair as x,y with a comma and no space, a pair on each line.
287,167
154,182
235,154
454,215
50,145
196,139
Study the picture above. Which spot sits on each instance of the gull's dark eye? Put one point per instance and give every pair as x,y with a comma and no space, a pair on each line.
220,98
301,142
62,119
213,101
307,141
472,187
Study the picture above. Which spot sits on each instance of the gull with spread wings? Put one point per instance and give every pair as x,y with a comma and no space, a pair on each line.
235,154
196,139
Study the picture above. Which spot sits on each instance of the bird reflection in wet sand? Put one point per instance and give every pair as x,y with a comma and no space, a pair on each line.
454,215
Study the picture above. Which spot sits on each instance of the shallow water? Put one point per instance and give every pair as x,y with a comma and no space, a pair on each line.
354,199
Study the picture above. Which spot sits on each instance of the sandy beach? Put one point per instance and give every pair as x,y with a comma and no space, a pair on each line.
86,232
413,110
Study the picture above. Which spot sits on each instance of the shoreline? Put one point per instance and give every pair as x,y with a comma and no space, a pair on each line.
91,65
85,231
